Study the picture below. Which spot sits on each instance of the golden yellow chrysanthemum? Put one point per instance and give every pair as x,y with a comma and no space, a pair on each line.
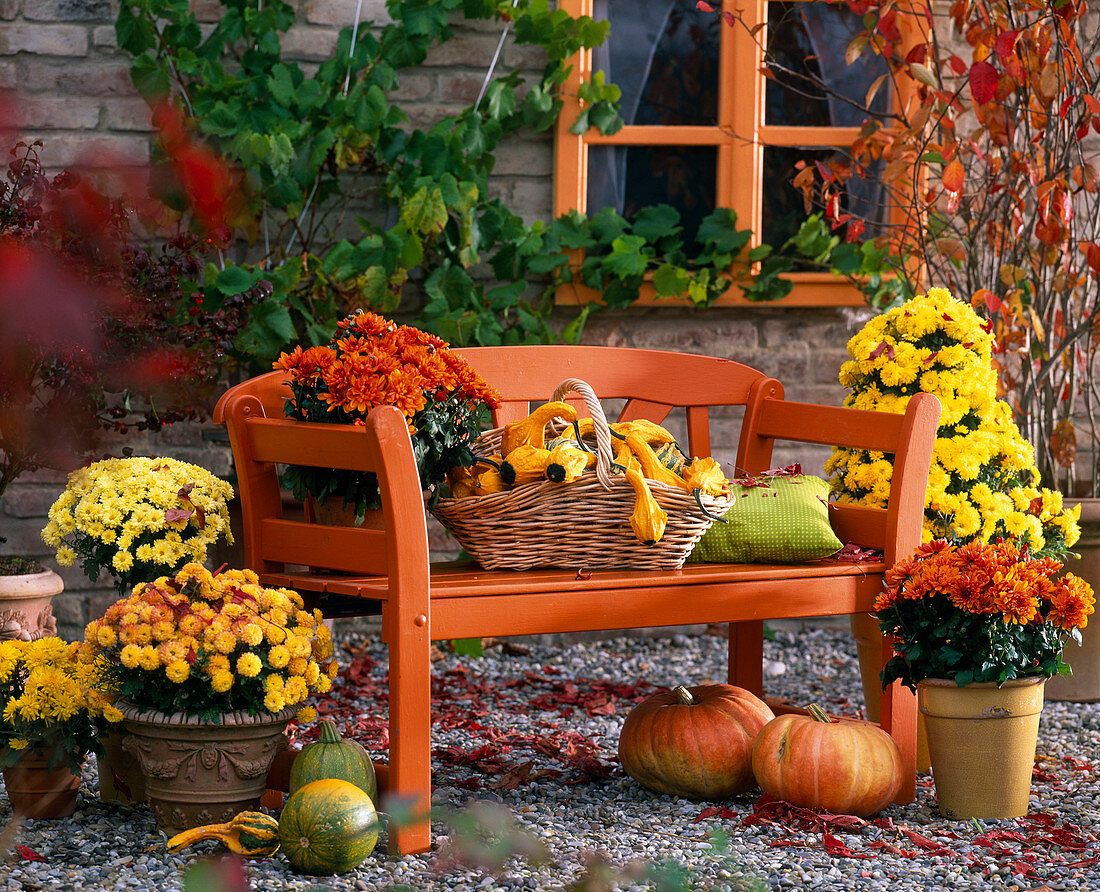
249,665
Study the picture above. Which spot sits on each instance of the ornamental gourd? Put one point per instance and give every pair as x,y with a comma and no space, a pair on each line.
251,834
330,756
328,827
694,743
844,767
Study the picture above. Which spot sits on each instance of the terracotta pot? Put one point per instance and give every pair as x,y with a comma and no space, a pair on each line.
982,741
1084,659
25,609
120,777
37,791
334,513
199,772
865,630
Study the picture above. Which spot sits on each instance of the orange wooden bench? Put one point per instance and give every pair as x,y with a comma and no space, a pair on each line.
388,571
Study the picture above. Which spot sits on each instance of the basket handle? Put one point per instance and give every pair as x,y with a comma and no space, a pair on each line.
599,420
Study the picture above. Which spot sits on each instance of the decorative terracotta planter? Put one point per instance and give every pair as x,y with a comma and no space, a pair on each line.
200,772
25,609
982,742
37,791
1084,684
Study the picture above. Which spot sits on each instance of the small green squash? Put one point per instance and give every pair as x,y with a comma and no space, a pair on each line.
330,756
328,827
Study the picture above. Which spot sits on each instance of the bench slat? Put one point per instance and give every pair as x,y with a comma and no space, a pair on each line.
354,550
530,614
830,425
282,441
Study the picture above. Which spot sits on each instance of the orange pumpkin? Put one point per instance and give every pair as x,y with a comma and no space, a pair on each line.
695,743
849,768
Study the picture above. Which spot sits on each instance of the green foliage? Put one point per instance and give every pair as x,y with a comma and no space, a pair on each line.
346,205
326,154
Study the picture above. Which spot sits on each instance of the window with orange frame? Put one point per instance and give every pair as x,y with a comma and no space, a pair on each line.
707,126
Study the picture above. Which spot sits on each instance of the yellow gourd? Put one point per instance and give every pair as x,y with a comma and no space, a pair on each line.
648,518
531,431
524,464
488,479
251,834
651,432
705,474
566,463
651,465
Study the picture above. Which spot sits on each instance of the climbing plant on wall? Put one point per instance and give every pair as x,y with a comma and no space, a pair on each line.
345,204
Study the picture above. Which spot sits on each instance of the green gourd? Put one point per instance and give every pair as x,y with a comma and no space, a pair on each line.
328,827
330,756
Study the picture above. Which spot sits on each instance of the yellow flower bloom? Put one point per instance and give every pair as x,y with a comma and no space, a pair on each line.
130,656
297,666
221,681
249,665
225,642
251,634
306,715
106,637
178,671
278,656
150,659
274,701
18,743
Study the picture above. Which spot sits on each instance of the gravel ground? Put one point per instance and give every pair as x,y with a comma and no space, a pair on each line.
527,737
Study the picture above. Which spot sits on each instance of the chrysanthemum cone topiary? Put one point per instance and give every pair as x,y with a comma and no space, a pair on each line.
983,483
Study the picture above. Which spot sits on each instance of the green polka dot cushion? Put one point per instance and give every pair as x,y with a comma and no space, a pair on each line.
781,520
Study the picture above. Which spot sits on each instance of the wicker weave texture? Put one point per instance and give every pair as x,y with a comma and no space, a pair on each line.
580,525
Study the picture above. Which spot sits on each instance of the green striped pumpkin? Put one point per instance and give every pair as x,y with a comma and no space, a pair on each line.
328,827
330,756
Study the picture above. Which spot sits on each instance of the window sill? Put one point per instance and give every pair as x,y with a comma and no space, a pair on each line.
810,290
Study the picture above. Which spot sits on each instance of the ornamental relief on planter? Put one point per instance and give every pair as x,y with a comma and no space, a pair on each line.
16,625
209,756
177,817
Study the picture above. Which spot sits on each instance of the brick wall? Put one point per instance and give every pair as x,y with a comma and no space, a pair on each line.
75,94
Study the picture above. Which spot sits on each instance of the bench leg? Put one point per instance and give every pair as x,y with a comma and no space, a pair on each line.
746,655
410,769
899,720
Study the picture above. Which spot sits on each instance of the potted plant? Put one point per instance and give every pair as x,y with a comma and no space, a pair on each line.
978,630
983,483
207,669
138,518
50,719
371,361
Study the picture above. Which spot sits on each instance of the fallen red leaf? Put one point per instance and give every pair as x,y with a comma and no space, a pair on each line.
28,854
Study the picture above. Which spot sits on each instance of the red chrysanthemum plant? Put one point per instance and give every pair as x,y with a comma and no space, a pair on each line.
981,612
369,362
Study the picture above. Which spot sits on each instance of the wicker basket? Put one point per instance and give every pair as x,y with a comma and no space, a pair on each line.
580,525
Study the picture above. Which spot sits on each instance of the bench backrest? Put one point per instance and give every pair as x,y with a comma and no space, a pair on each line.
652,382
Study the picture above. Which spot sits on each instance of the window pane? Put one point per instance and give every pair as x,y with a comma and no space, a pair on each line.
809,40
784,209
663,54
629,178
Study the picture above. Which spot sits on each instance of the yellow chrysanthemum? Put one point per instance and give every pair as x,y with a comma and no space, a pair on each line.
274,701
306,715
279,656
249,665
178,672
130,656
221,681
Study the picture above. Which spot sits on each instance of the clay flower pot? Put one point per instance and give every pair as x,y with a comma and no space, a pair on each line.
198,772
25,610
38,791
982,742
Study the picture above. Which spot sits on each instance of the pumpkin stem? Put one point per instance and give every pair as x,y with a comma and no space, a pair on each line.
328,734
683,695
817,713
